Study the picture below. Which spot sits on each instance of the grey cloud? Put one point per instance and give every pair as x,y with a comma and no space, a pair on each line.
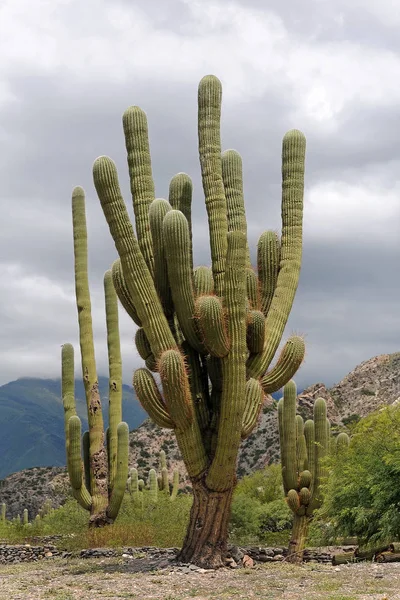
347,299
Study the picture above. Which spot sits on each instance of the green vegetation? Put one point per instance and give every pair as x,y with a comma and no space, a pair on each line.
259,511
363,491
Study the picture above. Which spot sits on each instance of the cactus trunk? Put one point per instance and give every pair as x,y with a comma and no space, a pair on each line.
298,540
206,537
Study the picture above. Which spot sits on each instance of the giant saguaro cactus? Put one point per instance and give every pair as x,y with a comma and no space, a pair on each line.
303,449
99,483
210,333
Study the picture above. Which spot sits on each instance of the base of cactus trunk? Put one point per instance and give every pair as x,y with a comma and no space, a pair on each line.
99,520
205,544
298,540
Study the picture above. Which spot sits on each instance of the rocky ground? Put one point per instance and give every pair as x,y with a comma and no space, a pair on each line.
115,578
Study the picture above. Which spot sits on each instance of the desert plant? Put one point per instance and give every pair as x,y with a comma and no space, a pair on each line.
210,333
3,511
105,468
304,447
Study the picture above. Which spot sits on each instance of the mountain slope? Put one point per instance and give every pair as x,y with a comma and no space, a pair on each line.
32,421
373,383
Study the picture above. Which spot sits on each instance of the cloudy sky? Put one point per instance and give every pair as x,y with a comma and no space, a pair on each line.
69,69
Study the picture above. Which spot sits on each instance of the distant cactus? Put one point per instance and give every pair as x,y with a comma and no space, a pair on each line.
342,443
153,485
3,511
303,449
99,484
25,517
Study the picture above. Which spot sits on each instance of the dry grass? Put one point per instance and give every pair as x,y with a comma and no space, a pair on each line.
112,579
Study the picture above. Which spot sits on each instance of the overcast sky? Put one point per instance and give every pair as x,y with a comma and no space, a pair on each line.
69,69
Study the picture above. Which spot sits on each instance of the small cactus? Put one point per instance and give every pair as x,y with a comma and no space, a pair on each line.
3,511
303,449
25,517
153,485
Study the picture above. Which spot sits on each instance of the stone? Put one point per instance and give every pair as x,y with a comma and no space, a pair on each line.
247,561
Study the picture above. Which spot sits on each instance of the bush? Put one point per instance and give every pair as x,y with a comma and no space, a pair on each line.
259,511
363,491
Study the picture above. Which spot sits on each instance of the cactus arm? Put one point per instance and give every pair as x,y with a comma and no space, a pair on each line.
121,472
122,291
164,480
309,434
137,275
289,435
342,443
68,383
222,471
252,286
180,198
175,486
232,176
301,447
253,403
141,178
143,347
177,243
209,117
268,259
320,452
163,459
179,403
282,445
150,398
293,158
153,485
86,458
74,464
203,281
158,209
255,331
211,322
288,364
115,374
98,458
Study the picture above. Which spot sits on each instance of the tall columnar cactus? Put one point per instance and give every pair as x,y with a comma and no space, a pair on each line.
3,511
210,333
99,483
304,447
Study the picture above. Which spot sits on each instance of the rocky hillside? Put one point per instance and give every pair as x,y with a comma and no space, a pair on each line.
373,383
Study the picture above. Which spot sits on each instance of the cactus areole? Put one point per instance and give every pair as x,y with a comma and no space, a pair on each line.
210,333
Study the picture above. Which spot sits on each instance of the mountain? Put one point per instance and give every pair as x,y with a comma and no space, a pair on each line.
372,384
32,420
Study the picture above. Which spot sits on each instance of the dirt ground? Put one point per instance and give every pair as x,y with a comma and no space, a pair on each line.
95,579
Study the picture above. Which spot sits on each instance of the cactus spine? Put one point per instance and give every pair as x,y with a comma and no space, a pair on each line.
303,449
99,483
218,327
